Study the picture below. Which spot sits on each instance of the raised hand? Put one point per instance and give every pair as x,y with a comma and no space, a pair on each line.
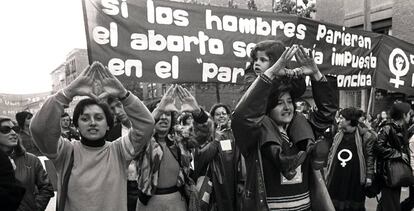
219,132
189,103
279,67
111,86
82,85
307,63
167,103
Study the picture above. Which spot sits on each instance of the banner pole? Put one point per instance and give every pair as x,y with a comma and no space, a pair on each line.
371,102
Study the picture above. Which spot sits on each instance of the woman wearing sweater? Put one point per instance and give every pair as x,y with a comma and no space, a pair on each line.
98,178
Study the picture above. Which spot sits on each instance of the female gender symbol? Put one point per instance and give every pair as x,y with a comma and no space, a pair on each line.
344,160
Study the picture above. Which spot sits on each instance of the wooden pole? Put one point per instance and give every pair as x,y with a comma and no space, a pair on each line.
218,92
371,102
368,27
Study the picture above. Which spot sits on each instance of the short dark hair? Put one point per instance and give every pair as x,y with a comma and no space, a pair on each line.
80,107
352,114
21,118
273,49
65,114
218,105
184,117
398,110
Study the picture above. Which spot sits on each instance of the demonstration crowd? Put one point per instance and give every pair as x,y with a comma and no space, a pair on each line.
116,153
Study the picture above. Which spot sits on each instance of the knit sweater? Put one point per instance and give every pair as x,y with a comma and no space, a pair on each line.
98,179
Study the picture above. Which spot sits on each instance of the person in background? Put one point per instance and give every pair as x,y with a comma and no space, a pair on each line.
66,128
164,167
28,169
98,178
23,119
11,190
392,144
278,144
186,124
350,162
186,119
408,203
381,117
221,160
121,121
121,118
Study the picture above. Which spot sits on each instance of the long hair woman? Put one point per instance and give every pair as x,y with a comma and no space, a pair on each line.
28,168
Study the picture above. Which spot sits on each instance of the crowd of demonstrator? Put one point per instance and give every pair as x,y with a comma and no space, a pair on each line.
116,153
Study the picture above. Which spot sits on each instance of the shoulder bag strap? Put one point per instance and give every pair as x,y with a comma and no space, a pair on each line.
64,189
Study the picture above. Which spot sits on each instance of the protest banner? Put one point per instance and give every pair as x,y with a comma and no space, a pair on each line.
173,42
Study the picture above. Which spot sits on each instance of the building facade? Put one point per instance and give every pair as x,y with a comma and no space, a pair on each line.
76,61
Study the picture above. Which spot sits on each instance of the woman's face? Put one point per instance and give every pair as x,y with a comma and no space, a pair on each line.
92,123
221,117
283,112
8,134
27,121
189,120
164,123
261,63
343,123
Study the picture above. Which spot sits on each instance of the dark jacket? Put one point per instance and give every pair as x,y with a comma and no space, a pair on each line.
28,143
224,186
251,125
32,175
392,143
11,190
368,138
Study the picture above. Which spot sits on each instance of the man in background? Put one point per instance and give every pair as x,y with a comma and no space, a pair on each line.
66,128
23,119
121,127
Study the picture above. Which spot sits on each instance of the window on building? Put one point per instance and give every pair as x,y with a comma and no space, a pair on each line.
151,90
163,89
361,27
382,26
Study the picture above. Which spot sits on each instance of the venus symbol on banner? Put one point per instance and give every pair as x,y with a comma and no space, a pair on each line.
399,66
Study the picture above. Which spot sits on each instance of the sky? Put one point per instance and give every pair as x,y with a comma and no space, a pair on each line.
35,38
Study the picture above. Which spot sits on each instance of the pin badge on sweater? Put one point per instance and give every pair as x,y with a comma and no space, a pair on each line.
297,179
225,145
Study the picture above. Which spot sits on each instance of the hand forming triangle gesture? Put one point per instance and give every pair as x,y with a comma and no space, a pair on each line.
177,92
97,82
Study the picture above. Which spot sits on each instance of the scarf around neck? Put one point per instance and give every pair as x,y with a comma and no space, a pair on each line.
96,143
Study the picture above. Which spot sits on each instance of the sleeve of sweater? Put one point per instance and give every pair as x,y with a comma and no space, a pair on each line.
141,120
45,124
250,113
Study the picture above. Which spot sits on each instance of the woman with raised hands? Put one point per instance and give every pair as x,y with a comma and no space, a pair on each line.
92,172
164,167
282,149
219,159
